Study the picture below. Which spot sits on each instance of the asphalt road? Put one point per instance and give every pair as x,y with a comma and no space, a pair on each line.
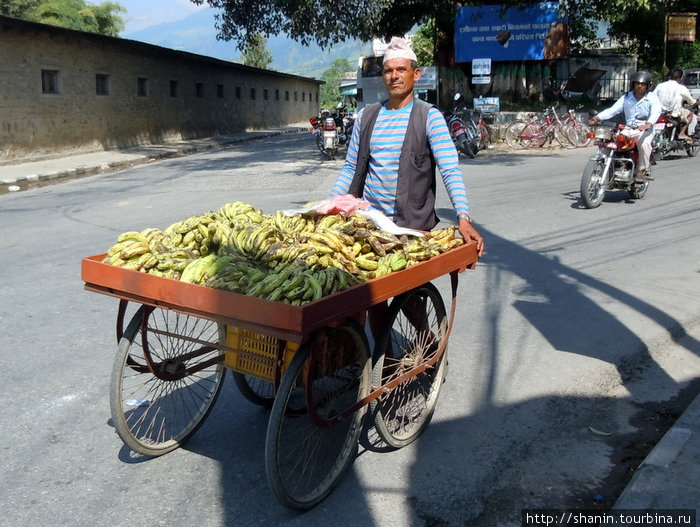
575,343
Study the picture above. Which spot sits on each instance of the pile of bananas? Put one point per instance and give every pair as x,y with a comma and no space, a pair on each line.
292,259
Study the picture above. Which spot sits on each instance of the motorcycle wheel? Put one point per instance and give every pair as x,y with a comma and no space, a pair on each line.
638,190
467,149
592,190
693,148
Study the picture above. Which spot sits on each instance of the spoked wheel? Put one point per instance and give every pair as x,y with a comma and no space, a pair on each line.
638,190
578,134
693,148
484,136
257,391
592,189
165,379
414,328
513,133
523,134
313,431
561,137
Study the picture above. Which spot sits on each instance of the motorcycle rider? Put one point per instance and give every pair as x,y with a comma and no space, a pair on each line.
637,102
672,94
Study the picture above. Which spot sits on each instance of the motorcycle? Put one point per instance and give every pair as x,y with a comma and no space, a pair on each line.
666,140
612,167
331,131
463,130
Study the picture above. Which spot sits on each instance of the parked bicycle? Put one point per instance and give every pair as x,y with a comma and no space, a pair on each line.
538,130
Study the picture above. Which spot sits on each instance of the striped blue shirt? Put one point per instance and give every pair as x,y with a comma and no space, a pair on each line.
385,147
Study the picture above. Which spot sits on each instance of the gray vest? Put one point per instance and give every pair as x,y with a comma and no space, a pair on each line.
415,187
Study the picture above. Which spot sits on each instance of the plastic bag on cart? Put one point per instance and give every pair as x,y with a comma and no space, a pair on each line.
349,205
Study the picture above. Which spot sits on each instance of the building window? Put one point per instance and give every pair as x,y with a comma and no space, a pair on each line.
252,93
101,84
316,96
173,88
199,90
296,98
286,95
220,91
49,81
277,94
265,96
238,92
303,96
142,86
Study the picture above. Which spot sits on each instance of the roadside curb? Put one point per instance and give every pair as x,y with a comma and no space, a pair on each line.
659,482
26,174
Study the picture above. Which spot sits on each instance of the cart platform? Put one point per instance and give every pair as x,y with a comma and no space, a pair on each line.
286,322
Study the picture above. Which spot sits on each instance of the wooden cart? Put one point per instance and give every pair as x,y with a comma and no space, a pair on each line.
311,364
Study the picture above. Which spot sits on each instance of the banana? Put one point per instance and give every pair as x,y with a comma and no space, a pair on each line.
314,286
364,262
134,249
132,235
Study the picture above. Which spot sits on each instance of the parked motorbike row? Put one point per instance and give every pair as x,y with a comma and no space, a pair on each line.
614,164
468,130
332,131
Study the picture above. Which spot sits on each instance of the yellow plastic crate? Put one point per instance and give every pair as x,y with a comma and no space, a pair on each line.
260,353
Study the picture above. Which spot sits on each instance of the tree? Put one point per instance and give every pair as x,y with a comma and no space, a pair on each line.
325,23
256,53
72,14
330,91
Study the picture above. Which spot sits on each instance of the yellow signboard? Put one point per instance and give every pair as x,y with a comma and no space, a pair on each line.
681,26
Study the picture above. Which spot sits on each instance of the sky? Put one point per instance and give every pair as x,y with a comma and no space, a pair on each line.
145,13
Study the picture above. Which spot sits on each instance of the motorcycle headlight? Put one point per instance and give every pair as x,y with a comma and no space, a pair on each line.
601,132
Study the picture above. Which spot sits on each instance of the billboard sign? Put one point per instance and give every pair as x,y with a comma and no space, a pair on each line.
535,32
681,26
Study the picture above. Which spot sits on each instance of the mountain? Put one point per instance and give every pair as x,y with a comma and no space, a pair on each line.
197,34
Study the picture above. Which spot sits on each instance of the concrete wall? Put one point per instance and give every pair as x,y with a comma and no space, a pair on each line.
210,96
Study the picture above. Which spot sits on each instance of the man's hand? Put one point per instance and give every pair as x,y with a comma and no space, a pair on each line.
644,127
468,232
592,121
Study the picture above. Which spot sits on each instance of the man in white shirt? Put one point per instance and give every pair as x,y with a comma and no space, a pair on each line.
672,94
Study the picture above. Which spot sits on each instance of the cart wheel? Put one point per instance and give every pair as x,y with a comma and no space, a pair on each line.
257,391
309,443
414,327
165,379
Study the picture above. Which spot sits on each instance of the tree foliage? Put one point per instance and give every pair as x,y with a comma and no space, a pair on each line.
330,91
72,14
638,24
255,52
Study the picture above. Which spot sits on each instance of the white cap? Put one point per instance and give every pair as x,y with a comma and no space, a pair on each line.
398,48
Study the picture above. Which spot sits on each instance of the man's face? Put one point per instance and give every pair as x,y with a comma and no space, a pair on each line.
399,77
640,88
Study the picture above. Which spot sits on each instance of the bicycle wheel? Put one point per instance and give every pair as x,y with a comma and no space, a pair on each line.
310,442
513,134
523,134
414,327
484,135
257,391
578,134
562,137
165,379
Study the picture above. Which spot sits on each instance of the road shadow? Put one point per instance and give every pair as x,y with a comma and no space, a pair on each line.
591,444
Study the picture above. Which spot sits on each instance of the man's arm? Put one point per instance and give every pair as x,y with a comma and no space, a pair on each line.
447,160
342,184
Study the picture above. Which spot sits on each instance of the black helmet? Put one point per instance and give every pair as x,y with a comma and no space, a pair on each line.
641,76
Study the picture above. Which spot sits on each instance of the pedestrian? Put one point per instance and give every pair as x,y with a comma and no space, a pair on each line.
396,147
642,109
392,156
672,94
